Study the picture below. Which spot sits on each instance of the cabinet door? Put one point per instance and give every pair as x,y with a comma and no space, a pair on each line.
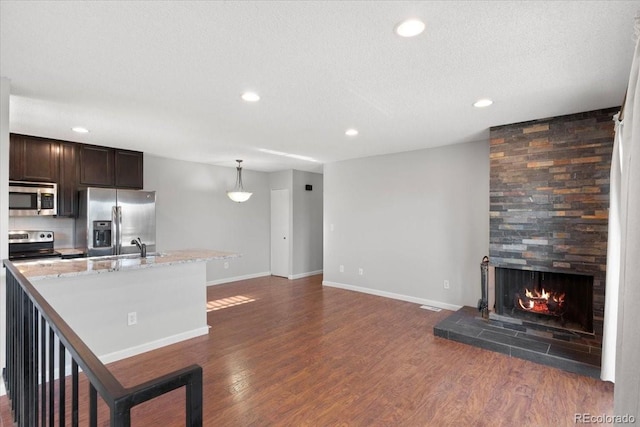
33,159
68,183
96,166
16,160
128,167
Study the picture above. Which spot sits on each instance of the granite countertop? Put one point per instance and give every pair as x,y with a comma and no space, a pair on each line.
52,268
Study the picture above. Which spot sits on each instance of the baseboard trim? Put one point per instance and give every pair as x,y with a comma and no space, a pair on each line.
307,274
152,345
392,295
238,278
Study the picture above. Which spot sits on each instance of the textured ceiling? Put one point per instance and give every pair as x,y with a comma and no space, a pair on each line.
166,77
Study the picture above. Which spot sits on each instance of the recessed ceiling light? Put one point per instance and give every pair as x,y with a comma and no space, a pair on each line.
80,129
251,97
481,103
351,132
410,28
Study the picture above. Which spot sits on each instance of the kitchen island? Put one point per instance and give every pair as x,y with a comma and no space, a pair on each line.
125,305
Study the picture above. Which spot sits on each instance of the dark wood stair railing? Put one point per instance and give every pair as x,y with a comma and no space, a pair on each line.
32,328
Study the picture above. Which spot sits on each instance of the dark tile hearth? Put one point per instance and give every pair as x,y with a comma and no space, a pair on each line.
466,326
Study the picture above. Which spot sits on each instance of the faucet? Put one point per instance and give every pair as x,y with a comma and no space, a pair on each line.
141,246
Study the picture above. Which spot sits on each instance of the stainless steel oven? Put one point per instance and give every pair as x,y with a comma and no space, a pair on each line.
31,244
33,198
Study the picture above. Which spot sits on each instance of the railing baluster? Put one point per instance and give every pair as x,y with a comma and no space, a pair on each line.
93,406
14,350
34,362
52,383
74,393
43,371
6,372
11,336
121,414
194,401
18,360
61,385
21,386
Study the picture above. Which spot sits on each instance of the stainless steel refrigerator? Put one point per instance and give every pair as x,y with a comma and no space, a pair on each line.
109,219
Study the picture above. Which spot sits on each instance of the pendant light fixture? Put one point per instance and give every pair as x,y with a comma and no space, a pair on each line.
238,194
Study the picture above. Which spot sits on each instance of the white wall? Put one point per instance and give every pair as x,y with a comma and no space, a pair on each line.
410,221
4,207
4,171
193,211
307,223
281,180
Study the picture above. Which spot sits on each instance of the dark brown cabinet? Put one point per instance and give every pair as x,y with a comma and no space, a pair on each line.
96,166
33,159
68,179
128,169
110,167
16,154
72,166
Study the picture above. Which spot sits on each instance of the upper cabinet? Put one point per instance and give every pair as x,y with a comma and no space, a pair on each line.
33,159
96,166
68,179
72,166
128,169
110,167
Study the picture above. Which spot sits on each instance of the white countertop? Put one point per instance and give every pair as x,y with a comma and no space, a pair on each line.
52,268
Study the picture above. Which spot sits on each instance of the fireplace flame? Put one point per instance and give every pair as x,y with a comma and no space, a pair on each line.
542,302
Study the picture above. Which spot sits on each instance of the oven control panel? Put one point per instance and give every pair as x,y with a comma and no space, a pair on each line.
30,236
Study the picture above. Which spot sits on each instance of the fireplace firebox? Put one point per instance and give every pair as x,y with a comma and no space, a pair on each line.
550,299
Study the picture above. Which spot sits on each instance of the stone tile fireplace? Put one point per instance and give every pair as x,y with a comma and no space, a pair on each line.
549,201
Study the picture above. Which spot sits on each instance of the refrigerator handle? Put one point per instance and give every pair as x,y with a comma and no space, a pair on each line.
115,230
119,210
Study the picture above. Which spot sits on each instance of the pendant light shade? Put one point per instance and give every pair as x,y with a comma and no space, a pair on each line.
238,194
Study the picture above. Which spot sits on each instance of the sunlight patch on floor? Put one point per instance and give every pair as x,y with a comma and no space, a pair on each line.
219,304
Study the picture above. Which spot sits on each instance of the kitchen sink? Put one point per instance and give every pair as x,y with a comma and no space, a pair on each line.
128,256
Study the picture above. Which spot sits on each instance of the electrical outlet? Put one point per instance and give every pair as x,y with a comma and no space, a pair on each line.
226,264
132,318
342,269
360,271
446,284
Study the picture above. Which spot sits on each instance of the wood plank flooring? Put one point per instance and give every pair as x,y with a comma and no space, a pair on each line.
303,355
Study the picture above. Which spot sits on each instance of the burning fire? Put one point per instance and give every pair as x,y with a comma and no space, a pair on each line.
542,302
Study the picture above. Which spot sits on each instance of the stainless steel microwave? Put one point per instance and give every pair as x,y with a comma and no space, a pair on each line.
33,198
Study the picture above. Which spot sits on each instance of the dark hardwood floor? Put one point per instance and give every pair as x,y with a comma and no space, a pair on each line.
292,353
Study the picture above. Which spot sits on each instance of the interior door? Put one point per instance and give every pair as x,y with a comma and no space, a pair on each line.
280,239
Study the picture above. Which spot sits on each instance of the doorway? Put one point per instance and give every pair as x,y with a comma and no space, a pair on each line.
280,233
